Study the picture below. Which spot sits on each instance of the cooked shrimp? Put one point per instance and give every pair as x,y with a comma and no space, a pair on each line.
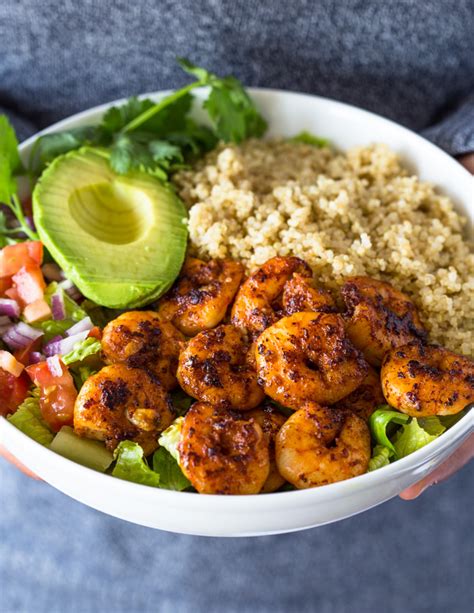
270,420
300,295
427,380
320,445
222,452
141,339
121,403
200,297
380,317
216,367
307,357
366,398
257,305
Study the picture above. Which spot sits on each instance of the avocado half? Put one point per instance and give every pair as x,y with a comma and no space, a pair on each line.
121,239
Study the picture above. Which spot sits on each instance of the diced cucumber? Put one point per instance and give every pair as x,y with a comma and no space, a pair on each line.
87,452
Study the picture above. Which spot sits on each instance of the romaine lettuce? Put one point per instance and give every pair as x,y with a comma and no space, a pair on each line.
169,438
132,466
81,350
171,475
29,420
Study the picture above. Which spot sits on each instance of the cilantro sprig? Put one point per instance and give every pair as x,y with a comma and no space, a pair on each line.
10,168
161,137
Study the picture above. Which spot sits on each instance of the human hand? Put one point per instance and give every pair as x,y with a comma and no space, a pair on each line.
8,456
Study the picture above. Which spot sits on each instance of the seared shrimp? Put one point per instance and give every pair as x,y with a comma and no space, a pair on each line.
320,445
300,295
380,317
121,403
427,380
270,420
366,398
222,452
200,297
256,305
141,339
307,357
216,367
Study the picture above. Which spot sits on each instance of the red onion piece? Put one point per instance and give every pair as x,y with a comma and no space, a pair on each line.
9,307
20,335
52,346
35,357
58,307
5,323
64,345
81,326
54,365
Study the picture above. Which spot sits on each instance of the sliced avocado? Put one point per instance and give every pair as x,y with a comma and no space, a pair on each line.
120,238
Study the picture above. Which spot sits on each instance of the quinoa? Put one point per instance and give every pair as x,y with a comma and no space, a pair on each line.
353,213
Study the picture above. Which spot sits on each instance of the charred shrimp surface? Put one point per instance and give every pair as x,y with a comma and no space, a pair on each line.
141,339
120,403
223,452
427,380
258,301
200,297
217,367
321,445
380,317
307,357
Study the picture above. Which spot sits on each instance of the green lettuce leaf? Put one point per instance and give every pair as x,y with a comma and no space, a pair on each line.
29,420
380,420
411,438
81,373
73,311
171,475
309,139
132,466
380,457
82,350
170,437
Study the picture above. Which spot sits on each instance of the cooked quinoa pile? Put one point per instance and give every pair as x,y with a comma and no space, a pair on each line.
353,213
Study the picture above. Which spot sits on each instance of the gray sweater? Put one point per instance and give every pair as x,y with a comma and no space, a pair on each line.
411,61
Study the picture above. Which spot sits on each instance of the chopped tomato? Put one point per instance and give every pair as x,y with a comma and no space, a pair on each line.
23,355
13,257
13,294
29,282
5,283
95,332
58,394
13,390
37,311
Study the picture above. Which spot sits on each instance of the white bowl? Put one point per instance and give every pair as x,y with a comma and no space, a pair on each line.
288,114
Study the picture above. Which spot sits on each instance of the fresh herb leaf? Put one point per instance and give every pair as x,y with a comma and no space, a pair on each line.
9,146
310,139
171,475
229,106
50,146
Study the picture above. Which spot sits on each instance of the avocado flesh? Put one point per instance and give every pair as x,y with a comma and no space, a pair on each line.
121,239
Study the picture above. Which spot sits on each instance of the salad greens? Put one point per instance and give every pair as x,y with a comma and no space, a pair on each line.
29,420
171,475
132,466
397,435
82,350
169,439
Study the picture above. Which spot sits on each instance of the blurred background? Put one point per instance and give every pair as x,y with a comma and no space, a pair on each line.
407,60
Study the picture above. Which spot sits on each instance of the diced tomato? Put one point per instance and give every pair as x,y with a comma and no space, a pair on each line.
23,355
95,332
13,257
58,394
5,283
37,311
13,390
12,293
9,363
29,282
